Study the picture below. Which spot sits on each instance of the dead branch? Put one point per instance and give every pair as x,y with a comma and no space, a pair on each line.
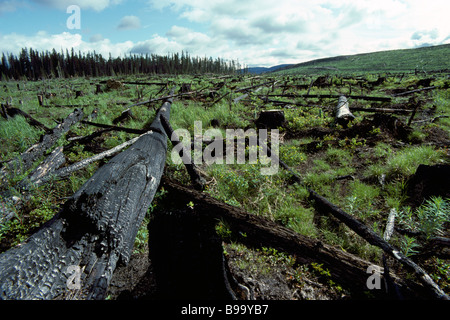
370,236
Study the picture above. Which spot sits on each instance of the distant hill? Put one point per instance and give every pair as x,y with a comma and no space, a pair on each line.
259,70
430,58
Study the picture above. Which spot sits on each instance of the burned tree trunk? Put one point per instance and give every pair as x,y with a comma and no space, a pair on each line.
93,231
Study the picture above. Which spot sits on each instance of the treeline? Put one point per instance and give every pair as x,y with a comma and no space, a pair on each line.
34,65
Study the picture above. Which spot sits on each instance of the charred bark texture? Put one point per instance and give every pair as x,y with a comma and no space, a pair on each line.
94,230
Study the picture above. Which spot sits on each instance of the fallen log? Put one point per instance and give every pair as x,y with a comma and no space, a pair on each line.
197,181
254,86
10,204
220,98
12,112
413,91
85,139
94,230
170,96
24,162
55,160
381,110
331,96
66,171
370,236
389,230
115,128
342,112
345,268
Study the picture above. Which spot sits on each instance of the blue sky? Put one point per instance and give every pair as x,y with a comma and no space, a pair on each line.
255,32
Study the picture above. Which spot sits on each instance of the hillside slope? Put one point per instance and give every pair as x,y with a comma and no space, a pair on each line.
405,60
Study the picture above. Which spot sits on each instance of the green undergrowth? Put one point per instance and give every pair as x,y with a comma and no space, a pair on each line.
364,174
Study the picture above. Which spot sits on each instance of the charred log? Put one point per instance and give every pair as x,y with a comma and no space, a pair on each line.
94,230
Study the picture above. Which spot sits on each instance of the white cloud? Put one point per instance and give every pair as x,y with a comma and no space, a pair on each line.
42,41
97,5
264,30
129,23
156,45
260,32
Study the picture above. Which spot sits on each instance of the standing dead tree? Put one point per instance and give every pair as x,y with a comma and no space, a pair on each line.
93,231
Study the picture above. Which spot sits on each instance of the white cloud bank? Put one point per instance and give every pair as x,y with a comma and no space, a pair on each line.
263,32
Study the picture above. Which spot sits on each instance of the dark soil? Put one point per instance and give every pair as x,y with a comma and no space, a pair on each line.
136,281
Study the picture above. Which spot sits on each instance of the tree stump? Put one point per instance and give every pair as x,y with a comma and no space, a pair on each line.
126,115
271,119
342,111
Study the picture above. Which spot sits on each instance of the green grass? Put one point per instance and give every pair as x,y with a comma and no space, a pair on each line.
274,197
406,161
392,61
16,135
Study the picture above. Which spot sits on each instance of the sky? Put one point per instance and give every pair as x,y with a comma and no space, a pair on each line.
253,32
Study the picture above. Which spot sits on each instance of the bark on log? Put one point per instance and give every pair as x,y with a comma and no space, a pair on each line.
342,111
55,160
93,231
381,110
24,162
126,114
332,96
370,236
255,86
